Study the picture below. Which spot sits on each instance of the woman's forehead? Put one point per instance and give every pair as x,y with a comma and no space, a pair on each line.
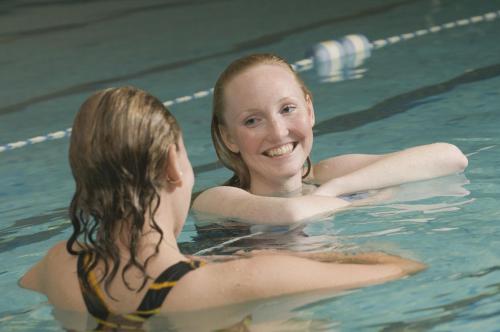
261,83
264,70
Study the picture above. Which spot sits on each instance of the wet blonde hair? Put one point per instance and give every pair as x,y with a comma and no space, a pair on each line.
231,160
118,156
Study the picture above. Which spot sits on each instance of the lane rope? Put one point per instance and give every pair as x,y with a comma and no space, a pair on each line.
329,58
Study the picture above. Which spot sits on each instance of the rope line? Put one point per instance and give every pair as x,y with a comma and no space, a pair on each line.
299,66
437,28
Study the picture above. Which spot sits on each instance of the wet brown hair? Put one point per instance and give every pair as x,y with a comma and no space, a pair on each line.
118,154
231,160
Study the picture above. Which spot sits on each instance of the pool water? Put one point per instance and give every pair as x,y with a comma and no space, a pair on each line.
442,86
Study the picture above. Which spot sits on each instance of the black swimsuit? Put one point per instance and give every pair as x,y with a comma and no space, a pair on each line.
150,305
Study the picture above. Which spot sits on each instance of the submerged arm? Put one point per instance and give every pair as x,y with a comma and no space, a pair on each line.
354,173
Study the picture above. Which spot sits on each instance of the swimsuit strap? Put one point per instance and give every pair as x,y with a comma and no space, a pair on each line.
93,297
150,304
162,286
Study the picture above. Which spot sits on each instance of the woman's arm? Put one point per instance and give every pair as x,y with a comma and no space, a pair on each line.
343,175
238,204
353,173
365,258
270,275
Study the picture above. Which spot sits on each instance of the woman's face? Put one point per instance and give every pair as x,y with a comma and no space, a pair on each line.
269,121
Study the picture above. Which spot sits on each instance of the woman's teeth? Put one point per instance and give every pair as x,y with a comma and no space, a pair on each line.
279,151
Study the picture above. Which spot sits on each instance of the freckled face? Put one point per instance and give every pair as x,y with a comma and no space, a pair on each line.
269,121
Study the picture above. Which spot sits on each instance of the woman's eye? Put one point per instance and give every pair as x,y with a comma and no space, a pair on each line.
250,122
288,109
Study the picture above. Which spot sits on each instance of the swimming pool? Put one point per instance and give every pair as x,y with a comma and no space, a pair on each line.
442,86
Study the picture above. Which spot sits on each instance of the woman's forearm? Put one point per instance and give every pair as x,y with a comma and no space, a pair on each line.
413,164
376,258
408,266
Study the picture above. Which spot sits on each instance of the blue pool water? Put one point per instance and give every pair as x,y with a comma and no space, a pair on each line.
442,86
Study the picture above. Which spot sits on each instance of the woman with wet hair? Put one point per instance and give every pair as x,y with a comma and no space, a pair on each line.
133,187
262,123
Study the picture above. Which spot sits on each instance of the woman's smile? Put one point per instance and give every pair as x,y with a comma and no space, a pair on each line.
280,151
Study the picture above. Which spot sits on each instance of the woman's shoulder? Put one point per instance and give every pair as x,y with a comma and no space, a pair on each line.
222,189
58,249
53,268
214,195
55,276
56,256
204,288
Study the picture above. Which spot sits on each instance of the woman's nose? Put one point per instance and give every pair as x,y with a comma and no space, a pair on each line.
278,128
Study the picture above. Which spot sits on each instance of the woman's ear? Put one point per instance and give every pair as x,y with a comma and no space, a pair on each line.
310,109
174,172
228,141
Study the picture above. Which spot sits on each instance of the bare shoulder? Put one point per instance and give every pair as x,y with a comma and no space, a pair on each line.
55,276
209,201
214,193
58,255
36,276
213,285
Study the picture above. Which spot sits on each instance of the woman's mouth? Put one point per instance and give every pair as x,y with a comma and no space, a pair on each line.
280,150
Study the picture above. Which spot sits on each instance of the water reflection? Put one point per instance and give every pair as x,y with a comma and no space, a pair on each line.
447,313
277,314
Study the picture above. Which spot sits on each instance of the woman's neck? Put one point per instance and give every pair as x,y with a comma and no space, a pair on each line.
151,240
149,243
168,220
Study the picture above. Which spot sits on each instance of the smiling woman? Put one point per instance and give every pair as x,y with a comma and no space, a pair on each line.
262,123
271,127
